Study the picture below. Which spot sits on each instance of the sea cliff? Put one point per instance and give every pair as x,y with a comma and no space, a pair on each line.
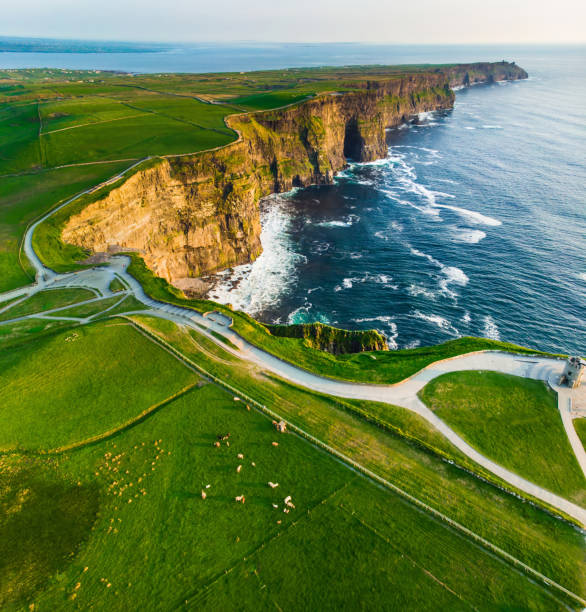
191,215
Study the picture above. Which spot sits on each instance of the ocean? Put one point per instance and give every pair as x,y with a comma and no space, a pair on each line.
474,223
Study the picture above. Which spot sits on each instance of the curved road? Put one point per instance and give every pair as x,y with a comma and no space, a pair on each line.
403,394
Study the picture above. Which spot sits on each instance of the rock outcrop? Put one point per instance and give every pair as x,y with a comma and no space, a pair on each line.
191,215
332,339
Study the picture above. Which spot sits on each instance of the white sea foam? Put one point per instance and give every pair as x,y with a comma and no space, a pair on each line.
490,329
383,279
413,344
317,247
347,221
582,275
301,315
253,287
492,127
380,279
417,290
469,236
436,320
453,276
472,216
445,180
348,283
382,318
469,127
450,274
466,318
425,116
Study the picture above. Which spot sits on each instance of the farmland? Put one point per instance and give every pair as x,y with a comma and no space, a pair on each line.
135,501
136,451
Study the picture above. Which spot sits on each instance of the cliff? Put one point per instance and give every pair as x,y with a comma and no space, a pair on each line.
191,215
464,75
332,339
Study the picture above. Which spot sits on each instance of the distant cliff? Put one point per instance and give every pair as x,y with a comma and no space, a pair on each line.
464,75
192,215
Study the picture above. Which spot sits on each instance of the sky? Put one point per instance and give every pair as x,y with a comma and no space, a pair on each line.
384,21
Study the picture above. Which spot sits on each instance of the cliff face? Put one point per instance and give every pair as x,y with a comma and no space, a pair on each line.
464,75
331,339
195,214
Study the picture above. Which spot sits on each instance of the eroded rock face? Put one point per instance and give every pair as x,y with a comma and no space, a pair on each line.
182,225
192,215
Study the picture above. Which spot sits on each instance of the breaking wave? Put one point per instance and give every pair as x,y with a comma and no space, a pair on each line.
469,236
490,329
437,320
254,287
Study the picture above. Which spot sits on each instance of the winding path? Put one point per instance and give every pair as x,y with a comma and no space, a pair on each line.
402,394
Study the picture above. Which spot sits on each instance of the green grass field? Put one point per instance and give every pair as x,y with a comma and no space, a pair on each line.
512,420
116,285
141,532
47,300
93,308
547,544
13,334
77,384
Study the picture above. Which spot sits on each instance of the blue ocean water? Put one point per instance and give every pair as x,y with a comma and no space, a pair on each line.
474,224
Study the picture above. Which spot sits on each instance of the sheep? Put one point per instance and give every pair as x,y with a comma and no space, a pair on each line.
203,494
273,485
238,469
240,456
240,498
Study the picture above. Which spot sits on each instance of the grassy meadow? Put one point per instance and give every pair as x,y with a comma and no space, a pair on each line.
140,531
512,420
410,461
71,386
47,300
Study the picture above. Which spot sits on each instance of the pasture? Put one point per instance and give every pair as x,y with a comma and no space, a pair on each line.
71,386
143,533
553,547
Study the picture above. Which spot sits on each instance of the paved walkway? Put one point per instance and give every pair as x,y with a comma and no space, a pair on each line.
570,408
403,394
